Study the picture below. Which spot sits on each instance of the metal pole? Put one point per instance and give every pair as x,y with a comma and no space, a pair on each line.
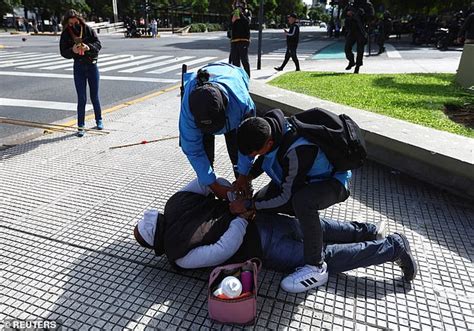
260,27
114,7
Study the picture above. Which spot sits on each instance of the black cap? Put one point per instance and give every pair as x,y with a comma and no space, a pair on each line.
293,15
207,104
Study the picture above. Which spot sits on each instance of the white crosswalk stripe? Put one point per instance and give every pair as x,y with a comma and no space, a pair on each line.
22,61
63,66
57,61
103,64
147,64
159,64
12,54
135,63
177,66
19,55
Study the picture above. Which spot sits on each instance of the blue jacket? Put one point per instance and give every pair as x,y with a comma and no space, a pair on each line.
233,81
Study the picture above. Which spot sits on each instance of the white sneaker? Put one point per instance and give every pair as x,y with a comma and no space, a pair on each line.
305,278
381,230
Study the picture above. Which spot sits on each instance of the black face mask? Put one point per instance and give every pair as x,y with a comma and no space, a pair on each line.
77,28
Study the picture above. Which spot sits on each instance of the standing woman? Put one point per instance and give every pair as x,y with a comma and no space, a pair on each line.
80,42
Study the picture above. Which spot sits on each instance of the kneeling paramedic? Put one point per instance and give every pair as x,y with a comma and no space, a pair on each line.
215,101
302,182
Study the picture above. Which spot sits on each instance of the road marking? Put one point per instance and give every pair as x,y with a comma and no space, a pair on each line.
177,66
159,64
21,57
68,106
127,103
61,60
100,65
22,62
392,52
12,54
61,66
120,66
65,76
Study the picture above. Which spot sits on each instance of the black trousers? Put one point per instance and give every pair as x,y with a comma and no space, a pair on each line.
304,205
351,39
239,53
291,53
232,149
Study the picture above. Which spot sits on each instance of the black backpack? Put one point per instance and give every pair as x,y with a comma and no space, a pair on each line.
339,137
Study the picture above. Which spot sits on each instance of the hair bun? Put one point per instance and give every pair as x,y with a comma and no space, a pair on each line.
202,77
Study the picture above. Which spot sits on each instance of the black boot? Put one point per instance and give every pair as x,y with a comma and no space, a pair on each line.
350,65
356,70
278,68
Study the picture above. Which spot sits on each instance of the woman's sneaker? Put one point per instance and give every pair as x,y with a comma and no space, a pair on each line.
305,278
406,260
100,125
81,131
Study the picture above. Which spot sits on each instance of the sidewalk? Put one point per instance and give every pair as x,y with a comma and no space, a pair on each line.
68,206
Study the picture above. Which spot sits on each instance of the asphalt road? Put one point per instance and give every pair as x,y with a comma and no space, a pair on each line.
36,83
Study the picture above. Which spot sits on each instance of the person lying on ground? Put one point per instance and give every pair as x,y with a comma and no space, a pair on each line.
197,230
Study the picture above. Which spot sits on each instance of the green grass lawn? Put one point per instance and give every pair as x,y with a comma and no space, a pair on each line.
416,98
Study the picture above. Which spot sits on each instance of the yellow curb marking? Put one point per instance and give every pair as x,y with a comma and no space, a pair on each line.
128,103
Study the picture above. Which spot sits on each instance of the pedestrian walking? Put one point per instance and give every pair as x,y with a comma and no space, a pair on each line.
240,35
80,42
385,28
154,28
356,15
292,39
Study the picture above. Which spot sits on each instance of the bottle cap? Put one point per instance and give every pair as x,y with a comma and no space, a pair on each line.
231,287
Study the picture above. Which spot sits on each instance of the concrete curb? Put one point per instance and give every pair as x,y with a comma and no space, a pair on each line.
443,159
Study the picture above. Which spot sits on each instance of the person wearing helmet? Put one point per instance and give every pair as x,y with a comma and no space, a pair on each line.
215,101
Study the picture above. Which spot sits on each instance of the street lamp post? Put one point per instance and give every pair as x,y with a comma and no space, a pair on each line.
114,7
260,27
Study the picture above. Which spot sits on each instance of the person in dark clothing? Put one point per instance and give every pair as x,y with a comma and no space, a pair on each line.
292,39
385,29
302,182
466,33
195,237
79,42
240,36
356,31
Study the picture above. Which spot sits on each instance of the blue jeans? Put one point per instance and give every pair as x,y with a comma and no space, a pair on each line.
347,245
86,73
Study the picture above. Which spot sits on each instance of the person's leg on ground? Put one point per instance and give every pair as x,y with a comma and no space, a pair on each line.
282,241
209,147
234,54
350,41
306,204
80,82
361,41
393,248
232,149
93,79
285,61
294,57
347,232
244,55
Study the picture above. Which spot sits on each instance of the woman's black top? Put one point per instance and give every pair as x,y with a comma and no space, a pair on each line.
70,36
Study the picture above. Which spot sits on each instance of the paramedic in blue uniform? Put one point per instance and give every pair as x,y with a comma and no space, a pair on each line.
216,100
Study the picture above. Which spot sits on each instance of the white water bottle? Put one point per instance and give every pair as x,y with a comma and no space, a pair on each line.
230,287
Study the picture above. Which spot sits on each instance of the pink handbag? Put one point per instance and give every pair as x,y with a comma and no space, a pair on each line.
241,310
